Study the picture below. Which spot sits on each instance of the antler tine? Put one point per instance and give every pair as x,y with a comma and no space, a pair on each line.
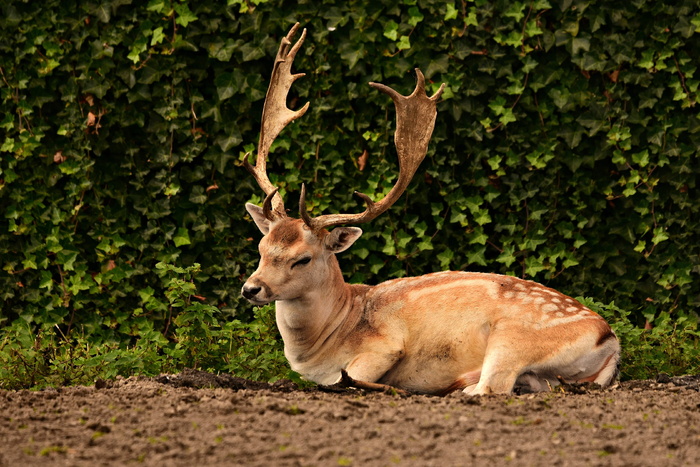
415,121
276,115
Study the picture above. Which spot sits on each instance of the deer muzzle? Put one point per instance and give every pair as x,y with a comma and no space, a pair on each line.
256,292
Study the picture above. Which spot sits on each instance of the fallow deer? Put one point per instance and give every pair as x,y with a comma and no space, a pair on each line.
433,334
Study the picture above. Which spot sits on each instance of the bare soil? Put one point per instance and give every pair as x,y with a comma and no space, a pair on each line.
195,419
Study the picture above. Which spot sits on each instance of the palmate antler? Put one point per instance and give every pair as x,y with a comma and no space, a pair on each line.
276,115
415,121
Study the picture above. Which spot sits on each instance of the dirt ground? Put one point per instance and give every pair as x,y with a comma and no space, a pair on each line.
199,419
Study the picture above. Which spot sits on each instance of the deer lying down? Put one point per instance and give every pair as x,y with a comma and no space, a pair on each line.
432,334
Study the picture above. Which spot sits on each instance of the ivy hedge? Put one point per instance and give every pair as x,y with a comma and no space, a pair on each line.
565,151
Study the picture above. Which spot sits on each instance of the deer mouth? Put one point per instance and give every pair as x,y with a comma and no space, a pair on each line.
255,295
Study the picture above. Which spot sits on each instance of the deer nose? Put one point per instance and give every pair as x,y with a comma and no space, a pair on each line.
250,291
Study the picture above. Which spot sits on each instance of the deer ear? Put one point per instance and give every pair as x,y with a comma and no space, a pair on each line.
342,238
256,212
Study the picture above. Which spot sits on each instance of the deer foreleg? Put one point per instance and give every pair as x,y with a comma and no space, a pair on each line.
371,366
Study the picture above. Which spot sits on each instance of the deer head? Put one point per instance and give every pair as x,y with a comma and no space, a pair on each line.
297,254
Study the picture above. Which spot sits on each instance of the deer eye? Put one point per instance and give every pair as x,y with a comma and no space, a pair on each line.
302,262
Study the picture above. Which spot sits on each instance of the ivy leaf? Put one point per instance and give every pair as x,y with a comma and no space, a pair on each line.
477,256
507,256
391,30
137,48
414,16
103,12
660,235
647,60
184,15
507,117
641,158
498,105
580,43
479,237
515,11
445,258
8,145
8,122
351,53
451,12
532,29
471,19
592,122
158,36
182,237
404,43
251,52
425,245
45,281
696,22
226,85
159,6
403,239
67,259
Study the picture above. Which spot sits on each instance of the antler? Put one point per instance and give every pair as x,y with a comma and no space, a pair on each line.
276,115
415,120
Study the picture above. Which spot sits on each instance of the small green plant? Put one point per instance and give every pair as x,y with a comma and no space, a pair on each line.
204,339
195,335
53,449
671,345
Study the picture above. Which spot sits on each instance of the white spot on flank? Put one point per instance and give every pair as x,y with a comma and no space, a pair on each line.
549,321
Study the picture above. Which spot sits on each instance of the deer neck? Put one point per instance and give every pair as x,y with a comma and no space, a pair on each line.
307,322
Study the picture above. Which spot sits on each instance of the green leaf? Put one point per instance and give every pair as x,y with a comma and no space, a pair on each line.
67,259
182,237
498,105
46,281
158,36
507,117
159,6
103,12
477,255
184,14
226,85
404,43
696,22
391,30
445,258
647,59
507,256
137,48
516,10
414,16
8,145
471,19
579,44
660,235
641,158
451,12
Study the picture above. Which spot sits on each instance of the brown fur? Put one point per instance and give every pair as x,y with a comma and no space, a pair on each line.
286,234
